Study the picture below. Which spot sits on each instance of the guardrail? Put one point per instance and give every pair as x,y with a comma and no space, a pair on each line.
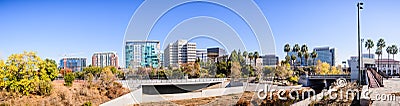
347,76
173,80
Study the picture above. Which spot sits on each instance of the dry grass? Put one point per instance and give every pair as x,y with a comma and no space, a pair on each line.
61,95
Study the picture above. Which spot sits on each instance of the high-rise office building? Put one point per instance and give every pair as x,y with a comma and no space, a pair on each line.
326,54
141,53
201,54
73,63
179,52
104,59
215,52
270,60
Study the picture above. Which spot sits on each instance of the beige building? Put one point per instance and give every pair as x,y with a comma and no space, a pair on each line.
179,52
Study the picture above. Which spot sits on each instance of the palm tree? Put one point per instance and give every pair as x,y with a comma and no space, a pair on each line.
380,45
314,55
369,44
256,55
250,56
304,50
394,51
378,52
296,49
299,54
287,49
306,56
388,50
293,58
245,55
287,58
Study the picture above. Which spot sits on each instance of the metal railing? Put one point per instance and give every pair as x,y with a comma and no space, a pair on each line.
377,76
347,76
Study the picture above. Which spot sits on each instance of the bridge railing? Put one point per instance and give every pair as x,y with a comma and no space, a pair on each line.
326,76
378,77
173,80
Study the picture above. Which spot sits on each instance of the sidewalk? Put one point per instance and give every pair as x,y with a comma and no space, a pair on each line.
392,85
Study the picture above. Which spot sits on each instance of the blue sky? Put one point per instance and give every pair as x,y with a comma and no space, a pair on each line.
54,28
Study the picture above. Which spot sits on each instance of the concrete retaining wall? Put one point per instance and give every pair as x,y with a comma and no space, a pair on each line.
135,97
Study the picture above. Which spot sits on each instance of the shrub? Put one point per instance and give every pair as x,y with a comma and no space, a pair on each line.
87,103
68,79
44,87
220,75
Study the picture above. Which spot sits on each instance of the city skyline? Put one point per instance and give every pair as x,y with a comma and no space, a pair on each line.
55,28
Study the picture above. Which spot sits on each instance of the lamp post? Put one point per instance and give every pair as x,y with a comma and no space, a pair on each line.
359,8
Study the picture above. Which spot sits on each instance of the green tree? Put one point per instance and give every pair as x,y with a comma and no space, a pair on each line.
296,49
378,52
245,54
48,69
394,51
304,51
26,73
293,59
235,70
369,44
287,58
380,45
234,56
69,79
251,57
306,57
256,55
287,49
389,51
314,55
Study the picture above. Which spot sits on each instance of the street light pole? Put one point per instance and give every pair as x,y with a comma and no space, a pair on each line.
359,7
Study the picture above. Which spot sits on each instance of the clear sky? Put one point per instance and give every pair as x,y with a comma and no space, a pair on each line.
54,28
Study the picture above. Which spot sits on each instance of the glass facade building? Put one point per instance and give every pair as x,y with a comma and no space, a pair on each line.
326,54
73,63
141,53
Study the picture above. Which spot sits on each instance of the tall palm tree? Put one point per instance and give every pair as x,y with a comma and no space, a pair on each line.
369,44
296,48
306,56
245,54
293,58
388,50
299,55
378,52
394,51
304,50
256,55
287,49
380,45
314,55
287,58
250,56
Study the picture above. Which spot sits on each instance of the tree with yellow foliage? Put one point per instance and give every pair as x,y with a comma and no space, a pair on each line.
323,68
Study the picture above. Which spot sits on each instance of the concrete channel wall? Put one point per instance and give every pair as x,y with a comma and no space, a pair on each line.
137,97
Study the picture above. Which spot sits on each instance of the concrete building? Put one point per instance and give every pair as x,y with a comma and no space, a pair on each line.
141,53
179,52
388,66
215,52
326,54
104,59
353,64
201,54
270,60
74,63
